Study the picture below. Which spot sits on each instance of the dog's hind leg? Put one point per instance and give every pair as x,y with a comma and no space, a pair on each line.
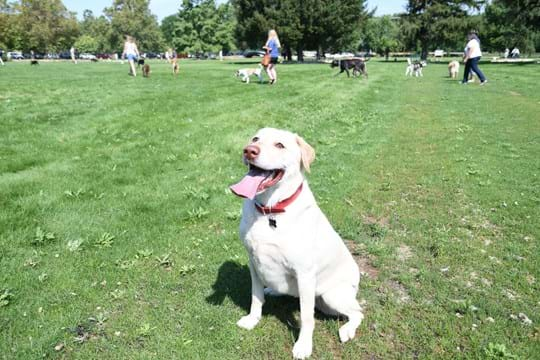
342,301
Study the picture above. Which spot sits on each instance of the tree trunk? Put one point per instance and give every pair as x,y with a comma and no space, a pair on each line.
300,52
288,52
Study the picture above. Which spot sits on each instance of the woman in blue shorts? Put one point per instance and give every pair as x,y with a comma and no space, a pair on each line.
131,52
272,46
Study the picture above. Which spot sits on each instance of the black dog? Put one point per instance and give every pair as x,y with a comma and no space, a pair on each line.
140,62
358,66
34,62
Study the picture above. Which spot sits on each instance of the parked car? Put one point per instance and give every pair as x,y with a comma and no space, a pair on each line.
87,56
103,56
36,56
64,55
15,55
53,56
253,53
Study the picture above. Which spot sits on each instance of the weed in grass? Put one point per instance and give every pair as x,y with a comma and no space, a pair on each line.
145,330
74,194
75,245
106,240
498,351
195,193
126,264
5,297
233,215
164,260
42,237
198,213
32,262
43,277
117,294
186,269
145,253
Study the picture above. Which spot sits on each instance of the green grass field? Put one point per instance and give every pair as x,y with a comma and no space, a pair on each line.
118,235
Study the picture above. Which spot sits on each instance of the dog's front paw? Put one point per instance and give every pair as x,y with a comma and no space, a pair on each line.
302,349
248,322
347,332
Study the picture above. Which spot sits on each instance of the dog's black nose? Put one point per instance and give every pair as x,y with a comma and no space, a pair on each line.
251,152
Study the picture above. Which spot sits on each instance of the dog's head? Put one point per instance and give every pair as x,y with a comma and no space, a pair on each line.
334,63
237,73
273,156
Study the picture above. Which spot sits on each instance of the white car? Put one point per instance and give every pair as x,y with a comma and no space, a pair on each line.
15,55
86,56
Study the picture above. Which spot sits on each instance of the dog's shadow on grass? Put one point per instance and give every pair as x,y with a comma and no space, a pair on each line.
234,282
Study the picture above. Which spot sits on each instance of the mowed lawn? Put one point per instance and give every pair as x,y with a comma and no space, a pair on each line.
118,235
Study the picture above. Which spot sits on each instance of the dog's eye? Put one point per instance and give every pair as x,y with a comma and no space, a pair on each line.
255,139
279,145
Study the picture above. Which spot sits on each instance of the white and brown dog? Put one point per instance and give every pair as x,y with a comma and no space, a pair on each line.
292,247
415,67
453,69
247,72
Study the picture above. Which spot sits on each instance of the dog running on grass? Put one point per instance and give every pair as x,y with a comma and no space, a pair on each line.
415,67
247,72
140,62
453,69
292,247
34,62
357,65
175,66
146,70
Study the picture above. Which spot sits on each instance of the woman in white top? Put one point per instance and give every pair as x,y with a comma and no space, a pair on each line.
471,58
131,52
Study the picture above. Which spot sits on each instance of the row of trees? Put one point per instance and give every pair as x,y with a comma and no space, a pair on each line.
202,26
47,26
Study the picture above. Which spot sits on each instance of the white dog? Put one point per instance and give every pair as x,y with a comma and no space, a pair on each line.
292,247
415,68
453,69
246,73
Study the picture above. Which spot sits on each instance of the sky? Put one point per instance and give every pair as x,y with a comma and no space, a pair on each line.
163,8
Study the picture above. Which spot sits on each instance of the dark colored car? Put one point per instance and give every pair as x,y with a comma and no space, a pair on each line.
64,55
151,55
253,53
37,56
103,56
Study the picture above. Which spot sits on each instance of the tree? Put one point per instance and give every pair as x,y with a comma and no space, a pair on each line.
513,23
99,30
167,28
133,17
314,24
41,25
382,35
438,23
201,27
86,44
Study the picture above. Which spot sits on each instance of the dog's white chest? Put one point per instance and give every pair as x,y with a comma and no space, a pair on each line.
271,255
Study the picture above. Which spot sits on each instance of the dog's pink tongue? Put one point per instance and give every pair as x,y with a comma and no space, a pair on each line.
247,187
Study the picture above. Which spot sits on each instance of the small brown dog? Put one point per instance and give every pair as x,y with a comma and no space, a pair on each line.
146,70
175,67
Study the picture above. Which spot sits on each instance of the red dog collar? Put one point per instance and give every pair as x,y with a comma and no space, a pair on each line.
280,206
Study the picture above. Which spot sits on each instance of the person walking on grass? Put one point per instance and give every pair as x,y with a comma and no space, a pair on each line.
72,54
472,56
131,52
272,46
1,54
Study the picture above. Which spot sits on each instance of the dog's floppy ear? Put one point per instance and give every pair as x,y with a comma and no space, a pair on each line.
308,153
